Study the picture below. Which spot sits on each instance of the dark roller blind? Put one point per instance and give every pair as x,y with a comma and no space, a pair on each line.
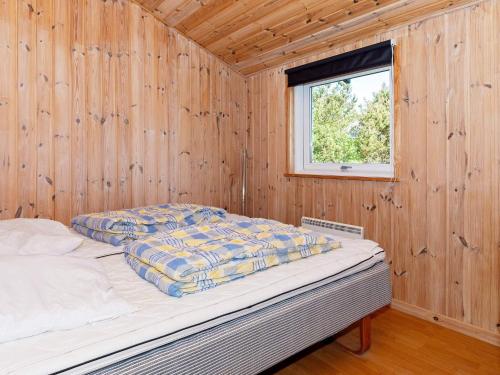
370,57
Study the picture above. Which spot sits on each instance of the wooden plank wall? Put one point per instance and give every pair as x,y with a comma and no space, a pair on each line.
440,224
103,107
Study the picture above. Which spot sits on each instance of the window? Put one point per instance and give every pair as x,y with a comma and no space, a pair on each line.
343,126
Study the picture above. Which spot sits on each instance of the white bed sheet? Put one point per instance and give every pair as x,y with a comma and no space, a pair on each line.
159,314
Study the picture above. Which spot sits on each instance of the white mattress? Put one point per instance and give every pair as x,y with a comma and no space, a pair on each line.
167,317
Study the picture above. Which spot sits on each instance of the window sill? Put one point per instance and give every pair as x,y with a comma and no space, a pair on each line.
337,177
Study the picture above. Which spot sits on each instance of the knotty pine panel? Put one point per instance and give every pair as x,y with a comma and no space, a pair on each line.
440,223
102,106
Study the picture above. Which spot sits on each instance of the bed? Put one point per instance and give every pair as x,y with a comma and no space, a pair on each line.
243,327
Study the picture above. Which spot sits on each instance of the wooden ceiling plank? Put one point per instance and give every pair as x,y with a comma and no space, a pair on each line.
150,4
279,42
312,49
270,25
316,44
348,32
237,17
263,27
184,11
167,7
237,10
356,23
298,30
211,9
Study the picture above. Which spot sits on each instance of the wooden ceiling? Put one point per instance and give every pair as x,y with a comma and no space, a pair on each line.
252,35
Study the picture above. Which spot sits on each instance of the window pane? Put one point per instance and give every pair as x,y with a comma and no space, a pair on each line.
351,120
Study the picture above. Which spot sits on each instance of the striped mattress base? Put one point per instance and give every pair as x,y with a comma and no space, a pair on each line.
256,341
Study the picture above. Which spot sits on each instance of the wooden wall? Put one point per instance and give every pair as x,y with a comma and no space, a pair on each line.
440,223
102,107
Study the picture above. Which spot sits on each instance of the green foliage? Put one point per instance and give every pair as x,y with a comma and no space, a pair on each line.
345,131
334,112
374,133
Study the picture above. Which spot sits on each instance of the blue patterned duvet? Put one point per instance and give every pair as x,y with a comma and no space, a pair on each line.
192,259
122,226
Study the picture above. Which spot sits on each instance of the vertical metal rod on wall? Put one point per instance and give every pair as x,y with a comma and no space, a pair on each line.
244,181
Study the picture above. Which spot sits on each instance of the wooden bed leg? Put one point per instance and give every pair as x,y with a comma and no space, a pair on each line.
365,338
365,334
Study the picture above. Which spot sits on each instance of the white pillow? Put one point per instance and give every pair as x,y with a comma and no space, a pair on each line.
43,293
36,236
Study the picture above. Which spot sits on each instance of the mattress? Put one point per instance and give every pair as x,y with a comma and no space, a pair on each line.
252,343
161,319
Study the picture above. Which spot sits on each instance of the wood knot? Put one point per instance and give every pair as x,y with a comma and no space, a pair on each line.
19,212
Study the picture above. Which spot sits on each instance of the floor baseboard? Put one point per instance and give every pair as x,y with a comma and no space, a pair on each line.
456,325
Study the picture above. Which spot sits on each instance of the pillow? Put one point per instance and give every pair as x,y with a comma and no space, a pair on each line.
43,293
36,236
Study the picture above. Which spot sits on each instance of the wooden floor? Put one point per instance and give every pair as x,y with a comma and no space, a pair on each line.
401,344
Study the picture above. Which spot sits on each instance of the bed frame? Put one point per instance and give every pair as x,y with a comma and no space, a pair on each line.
254,342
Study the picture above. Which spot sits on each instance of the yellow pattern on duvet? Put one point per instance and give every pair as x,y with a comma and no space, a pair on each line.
192,259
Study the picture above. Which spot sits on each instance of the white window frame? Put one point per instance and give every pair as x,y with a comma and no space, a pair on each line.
303,127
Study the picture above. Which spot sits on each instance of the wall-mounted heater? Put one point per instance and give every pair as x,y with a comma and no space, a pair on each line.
331,227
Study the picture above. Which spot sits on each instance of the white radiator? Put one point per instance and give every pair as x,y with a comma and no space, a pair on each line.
331,227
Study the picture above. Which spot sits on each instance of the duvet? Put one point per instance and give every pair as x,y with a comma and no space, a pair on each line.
192,259
122,226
